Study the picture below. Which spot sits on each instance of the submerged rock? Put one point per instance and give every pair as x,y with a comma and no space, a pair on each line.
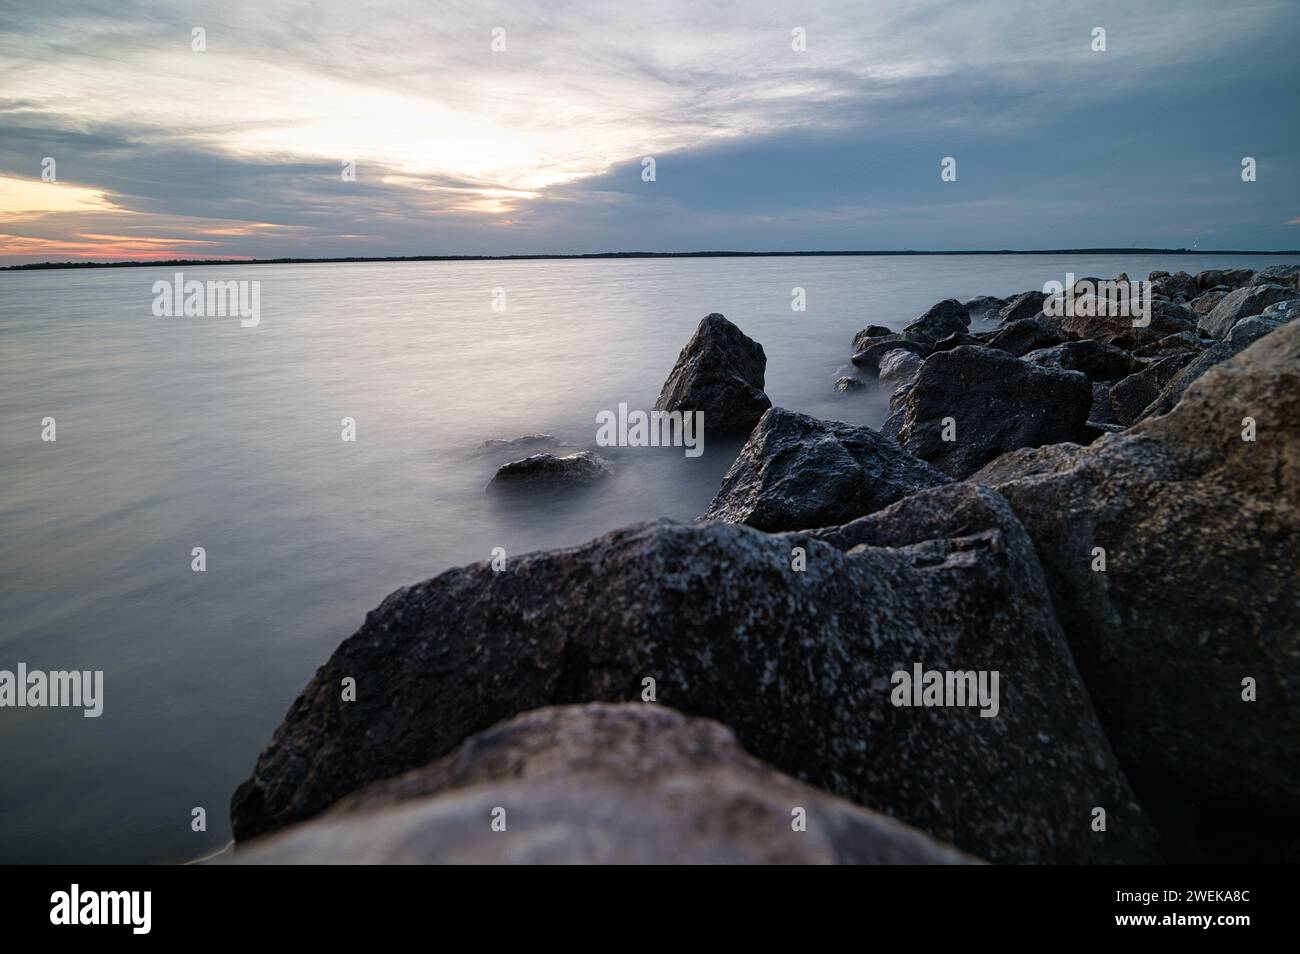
720,372
797,472
799,663
548,472
1189,640
971,404
599,784
845,384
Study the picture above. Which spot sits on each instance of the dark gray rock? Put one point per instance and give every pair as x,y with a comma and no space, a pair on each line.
1180,286
1130,397
518,443
1025,305
997,402
1204,304
1166,318
948,317
1231,277
1278,275
1243,334
1242,303
1101,411
957,340
984,307
797,663
863,337
899,367
1100,362
548,472
1200,529
598,784
1281,311
1182,342
719,372
1028,334
797,472
869,356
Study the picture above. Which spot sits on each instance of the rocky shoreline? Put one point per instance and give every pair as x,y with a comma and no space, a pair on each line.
1102,512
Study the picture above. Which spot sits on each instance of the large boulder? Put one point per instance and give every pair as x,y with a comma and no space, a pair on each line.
1100,362
875,349
719,372
1228,277
798,655
1243,334
1130,397
948,317
995,402
1242,303
1097,320
1189,639
797,472
1024,335
1278,275
548,472
598,784
1025,305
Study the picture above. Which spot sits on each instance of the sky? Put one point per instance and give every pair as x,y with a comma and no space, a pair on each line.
488,128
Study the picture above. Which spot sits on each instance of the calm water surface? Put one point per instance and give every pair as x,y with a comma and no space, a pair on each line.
175,433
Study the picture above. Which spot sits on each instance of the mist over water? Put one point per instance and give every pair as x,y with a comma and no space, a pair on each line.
175,433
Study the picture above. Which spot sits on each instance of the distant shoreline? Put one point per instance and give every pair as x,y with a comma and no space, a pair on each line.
190,263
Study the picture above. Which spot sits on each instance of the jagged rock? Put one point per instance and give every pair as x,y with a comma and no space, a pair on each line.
845,384
1100,362
598,784
548,472
1025,305
798,663
997,403
899,367
869,356
1278,275
948,317
719,372
1028,334
984,307
1243,334
797,472
1130,397
957,340
1242,303
1166,318
1200,530
863,337
1204,304
1171,344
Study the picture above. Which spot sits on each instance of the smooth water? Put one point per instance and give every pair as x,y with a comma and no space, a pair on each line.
175,433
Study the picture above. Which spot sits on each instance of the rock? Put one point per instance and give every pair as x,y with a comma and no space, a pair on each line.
869,357
984,307
1166,318
899,367
1204,304
1200,530
1239,304
1282,311
1179,286
796,472
548,472
598,784
1179,343
1130,397
863,337
1025,305
997,402
1231,277
1243,334
719,372
1100,362
1278,275
957,340
1101,411
845,384
946,318
528,440
798,663
1028,334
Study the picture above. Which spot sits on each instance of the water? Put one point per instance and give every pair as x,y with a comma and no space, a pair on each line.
176,433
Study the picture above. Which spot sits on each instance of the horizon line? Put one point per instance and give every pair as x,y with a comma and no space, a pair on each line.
543,256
